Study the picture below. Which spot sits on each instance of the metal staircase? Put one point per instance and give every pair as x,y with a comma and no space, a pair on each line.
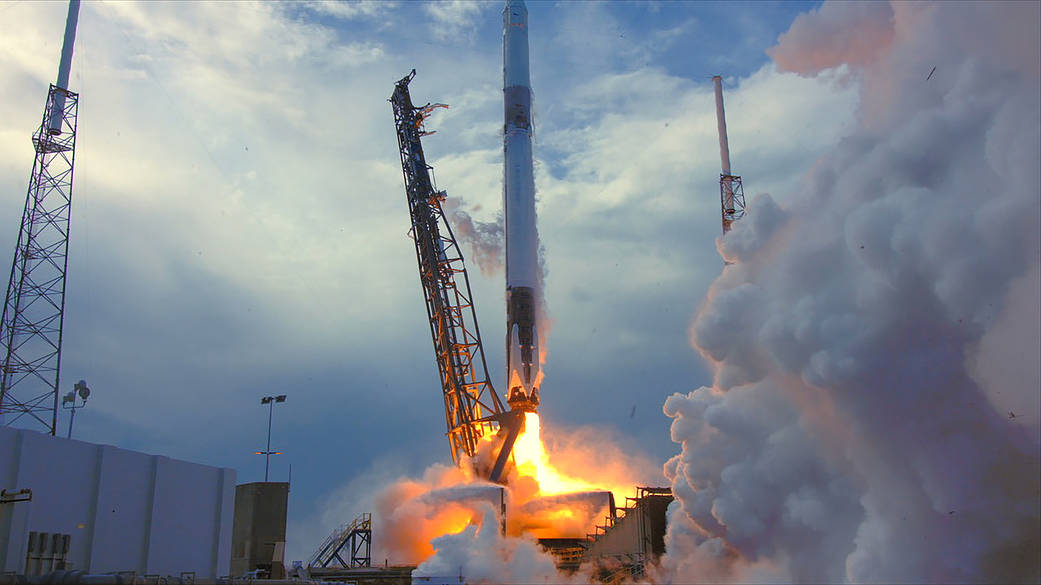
353,539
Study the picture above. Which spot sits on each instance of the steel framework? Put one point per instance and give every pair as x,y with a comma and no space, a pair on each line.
355,537
34,311
472,408
731,199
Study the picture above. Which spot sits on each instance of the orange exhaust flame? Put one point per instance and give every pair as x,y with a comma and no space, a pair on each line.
533,462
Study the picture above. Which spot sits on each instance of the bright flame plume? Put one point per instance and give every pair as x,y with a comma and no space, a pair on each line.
533,461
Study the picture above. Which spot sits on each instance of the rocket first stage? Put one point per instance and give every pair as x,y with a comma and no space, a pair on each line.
522,340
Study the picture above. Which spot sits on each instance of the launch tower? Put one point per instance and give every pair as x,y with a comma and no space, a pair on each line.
34,310
471,404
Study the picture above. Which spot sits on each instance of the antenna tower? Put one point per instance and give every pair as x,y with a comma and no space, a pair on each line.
34,311
731,192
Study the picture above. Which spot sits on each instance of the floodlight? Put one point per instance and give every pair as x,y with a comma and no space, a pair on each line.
270,401
68,401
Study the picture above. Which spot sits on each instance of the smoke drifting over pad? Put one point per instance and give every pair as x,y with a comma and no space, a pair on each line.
486,238
852,433
480,555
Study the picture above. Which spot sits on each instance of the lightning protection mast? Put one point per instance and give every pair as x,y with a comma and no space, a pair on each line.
34,311
731,192
472,408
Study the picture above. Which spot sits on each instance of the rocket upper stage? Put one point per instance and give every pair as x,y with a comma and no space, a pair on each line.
519,196
522,353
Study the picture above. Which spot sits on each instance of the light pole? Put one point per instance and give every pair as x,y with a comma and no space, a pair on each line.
270,401
81,389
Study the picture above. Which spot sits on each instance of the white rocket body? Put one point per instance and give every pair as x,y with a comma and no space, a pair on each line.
522,266
64,67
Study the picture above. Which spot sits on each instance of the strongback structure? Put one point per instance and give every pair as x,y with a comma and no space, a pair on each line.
34,310
472,408
731,191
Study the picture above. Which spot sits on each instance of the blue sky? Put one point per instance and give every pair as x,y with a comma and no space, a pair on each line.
239,227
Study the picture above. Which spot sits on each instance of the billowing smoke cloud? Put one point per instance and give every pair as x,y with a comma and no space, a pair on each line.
874,412
480,554
485,238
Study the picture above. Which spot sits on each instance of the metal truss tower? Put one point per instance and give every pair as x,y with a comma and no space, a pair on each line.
731,199
731,191
34,310
472,408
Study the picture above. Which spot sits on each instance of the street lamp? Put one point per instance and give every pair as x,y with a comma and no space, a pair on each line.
270,401
79,388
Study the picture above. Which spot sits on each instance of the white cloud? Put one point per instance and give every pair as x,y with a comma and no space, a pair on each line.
353,9
453,19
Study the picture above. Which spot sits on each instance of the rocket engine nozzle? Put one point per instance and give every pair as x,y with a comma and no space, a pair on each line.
522,355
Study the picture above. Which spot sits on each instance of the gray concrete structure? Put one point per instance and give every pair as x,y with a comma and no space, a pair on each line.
259,531
638,537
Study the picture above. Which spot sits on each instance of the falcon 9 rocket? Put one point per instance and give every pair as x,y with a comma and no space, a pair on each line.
522,267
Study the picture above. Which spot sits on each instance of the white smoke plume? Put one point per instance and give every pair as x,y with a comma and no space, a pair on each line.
874,412
486,239
480,554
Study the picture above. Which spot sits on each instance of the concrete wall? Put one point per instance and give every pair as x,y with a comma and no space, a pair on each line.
259,531
124,510
621,539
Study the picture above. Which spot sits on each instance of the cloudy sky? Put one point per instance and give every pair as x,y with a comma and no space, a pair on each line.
239,224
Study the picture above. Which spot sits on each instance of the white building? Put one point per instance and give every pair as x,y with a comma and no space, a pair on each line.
103,509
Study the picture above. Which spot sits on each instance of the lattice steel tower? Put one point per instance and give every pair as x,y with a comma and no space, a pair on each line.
34,311
471,404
